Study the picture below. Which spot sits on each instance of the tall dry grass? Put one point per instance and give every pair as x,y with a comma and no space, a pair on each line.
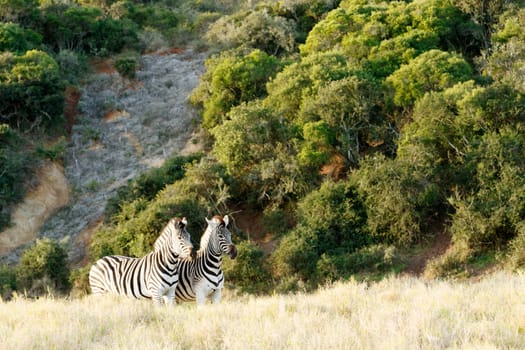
397,313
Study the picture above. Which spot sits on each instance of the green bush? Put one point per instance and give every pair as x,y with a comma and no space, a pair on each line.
400,199
451,264
258,29
15,167
331,221
73,65
7,282
247,273
433,70
18,40
516,254
491,216
43,268
24,12
126,67
375,259
31,90
87,30
233,78
256,147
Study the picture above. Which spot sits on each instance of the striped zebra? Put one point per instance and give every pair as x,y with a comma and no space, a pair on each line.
154,276
203,277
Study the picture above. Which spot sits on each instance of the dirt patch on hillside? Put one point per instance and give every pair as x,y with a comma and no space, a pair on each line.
72,96
102,66
114,115
52,193
438,246
250,222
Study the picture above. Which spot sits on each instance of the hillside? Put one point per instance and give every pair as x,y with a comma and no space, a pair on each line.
397,313
348,139
122,129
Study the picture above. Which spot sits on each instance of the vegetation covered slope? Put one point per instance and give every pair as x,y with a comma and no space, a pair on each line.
358,129
397,313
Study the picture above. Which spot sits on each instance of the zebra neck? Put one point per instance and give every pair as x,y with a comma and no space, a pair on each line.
213,255
168,256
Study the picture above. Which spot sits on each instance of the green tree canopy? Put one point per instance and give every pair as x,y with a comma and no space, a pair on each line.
18,40
433,70
31,89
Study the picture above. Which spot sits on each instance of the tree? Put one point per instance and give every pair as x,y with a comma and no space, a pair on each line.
484,12
19,11
257,148
232,80
433,70
256,29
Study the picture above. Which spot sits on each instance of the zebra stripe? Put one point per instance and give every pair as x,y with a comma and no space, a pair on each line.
202,277
154,276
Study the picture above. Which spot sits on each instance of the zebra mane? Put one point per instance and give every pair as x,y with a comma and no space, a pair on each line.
205,238
164,236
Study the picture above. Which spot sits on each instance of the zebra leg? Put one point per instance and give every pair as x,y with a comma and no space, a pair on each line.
216,296
169,297
200,297
157,298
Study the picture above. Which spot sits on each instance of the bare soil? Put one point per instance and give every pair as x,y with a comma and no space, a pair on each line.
39,204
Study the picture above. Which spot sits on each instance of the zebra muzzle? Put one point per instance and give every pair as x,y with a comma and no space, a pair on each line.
232,252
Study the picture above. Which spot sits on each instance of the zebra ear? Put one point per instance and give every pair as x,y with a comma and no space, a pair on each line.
208,221
184,221
225,219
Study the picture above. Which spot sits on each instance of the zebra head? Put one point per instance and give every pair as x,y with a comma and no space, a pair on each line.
179,237
223,235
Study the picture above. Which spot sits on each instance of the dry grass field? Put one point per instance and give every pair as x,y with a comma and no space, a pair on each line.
397,313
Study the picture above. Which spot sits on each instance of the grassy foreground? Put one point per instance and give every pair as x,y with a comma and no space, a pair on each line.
397,313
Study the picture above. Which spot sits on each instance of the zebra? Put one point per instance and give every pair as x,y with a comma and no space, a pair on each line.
154,276
203,277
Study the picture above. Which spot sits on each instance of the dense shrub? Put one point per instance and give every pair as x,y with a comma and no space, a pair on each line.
43,268
31,90
7,281
85,29
331,221
247,272
15,167
24,12
492,216
375,259
233,78
256,147
257,29
126,67
17,39
400,199
433,70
